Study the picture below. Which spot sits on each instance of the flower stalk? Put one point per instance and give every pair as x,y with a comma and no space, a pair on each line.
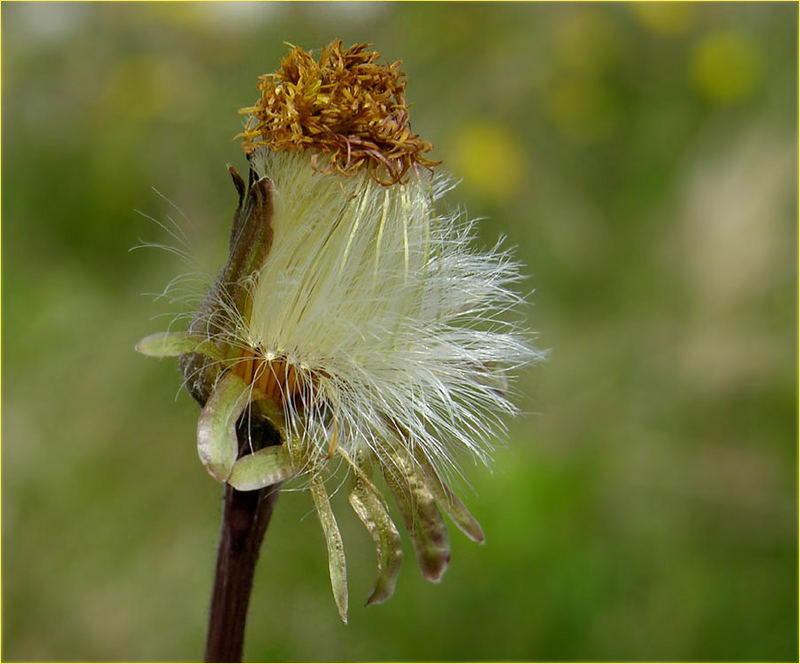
246,516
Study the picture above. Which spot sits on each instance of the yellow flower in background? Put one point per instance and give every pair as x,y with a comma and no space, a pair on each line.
352,324
725,66
665,18
489,158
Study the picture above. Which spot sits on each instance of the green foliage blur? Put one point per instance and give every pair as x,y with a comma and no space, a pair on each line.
643,158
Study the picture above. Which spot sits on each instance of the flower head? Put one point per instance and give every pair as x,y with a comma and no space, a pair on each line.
344,106
351,319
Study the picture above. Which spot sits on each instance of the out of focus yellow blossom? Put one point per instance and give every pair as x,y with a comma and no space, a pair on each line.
487,155
725,66
665,18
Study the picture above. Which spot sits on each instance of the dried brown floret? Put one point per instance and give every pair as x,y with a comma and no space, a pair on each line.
346,106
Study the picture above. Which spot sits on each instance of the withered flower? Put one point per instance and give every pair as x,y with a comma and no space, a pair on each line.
352,322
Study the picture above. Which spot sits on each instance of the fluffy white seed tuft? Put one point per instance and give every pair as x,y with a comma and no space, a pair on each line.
394,329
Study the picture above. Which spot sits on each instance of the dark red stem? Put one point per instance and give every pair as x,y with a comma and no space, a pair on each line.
244,522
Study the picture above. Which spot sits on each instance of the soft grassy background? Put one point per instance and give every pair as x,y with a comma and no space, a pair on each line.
643,159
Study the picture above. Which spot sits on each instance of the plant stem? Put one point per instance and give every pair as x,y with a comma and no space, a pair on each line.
246,514
245,519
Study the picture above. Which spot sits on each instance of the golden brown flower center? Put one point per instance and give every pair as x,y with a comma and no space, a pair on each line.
345,106
278,379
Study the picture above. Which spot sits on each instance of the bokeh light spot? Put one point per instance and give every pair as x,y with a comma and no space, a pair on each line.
665,18
725,66
488,157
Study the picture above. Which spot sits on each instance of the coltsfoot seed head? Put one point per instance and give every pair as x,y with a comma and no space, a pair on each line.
354,319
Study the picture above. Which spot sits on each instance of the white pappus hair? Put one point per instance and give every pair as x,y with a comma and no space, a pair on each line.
397,329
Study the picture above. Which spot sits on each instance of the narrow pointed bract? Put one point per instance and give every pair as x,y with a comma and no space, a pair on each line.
423,519
448,501
369,508
173,344
333,540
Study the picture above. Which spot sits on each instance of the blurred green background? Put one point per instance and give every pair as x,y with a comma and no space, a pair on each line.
642,157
